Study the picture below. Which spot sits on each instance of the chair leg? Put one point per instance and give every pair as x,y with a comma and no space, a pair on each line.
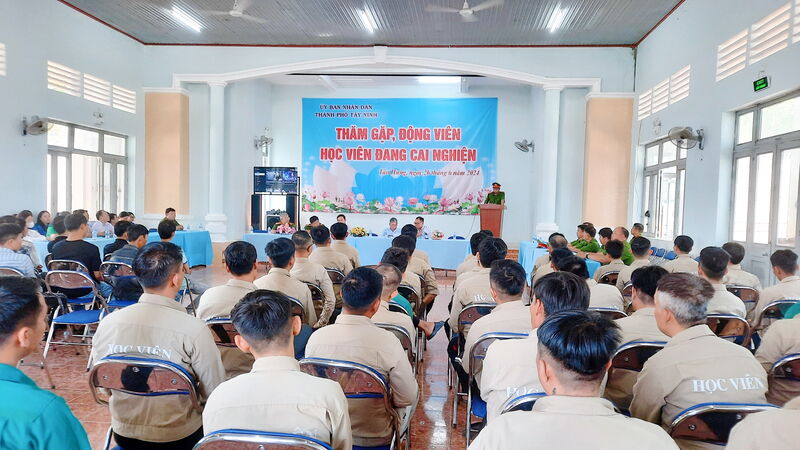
47,373
467,418
47,342
107,443
455,405
449,376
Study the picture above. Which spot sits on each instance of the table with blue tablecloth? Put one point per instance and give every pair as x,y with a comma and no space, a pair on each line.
529,252
196,245
444,253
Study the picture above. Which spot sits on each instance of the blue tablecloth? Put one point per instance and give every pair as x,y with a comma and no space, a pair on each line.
444,254
196,244
529,252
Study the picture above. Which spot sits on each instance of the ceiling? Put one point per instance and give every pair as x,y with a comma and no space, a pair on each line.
393,22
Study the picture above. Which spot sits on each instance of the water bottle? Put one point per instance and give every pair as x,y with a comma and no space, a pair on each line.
94,233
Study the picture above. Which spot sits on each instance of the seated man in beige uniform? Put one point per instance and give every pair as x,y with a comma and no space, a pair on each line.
159,327
601,295
507,285
399,257
326,256
356,339
556,254
281,255
736,276
574,354
713,266
639,326
684,261
781,339
276,396
411,231
695,366
509,369
476,289
339,233
640,248
784,266
218,301
768,430
391,281
614,249
471,261
312,273
418,267
553,242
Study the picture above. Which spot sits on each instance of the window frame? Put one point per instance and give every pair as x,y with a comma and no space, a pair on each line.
653,225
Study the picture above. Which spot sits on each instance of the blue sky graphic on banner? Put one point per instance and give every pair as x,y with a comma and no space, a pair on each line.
398,155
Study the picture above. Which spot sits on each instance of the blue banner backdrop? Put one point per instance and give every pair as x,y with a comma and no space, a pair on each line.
398,155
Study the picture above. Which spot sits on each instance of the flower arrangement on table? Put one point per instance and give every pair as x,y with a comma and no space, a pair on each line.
284,228
436,235
358,232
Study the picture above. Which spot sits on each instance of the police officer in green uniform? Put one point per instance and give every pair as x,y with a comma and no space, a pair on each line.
496,197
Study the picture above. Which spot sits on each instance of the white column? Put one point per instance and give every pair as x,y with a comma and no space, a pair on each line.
216,221
548,163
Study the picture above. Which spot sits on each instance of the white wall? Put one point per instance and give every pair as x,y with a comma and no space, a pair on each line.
33,32
691,36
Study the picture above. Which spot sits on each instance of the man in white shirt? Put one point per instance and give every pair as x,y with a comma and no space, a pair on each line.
10,243
392,231
684,261
102,227
713,266
423,232
736,276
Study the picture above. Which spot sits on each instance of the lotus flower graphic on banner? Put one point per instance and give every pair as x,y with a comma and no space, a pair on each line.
414,156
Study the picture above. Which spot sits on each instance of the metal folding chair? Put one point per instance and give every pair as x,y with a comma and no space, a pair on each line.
187,291
787,367
730,327
396,307
297,309
609,278
671,255
627,294
658,256
223,331
409,293
524,402
405,340
337,277
633,355
466,318
146,377
258,440
364,383
775,310
317,297
66,264
477,354
746,294
712,422
10,271
611,313
113,273
76,297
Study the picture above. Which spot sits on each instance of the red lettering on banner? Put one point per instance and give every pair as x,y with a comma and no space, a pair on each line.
419,154
390,154
359,154
382,134
351,133
330,153
412,134
447,133
462,154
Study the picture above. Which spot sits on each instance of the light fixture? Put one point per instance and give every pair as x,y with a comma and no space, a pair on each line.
186,19
435,79
556,19
367,20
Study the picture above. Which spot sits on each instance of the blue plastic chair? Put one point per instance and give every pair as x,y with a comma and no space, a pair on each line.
460,238
254,440
670,255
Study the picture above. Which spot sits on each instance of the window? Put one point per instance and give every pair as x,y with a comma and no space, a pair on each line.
664,181
766,173
96,89
2,58
86,169
64,79
123,99
665,93
61,78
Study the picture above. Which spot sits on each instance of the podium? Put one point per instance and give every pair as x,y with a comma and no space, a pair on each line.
492,218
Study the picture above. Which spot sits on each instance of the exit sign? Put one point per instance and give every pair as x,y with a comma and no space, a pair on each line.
761,84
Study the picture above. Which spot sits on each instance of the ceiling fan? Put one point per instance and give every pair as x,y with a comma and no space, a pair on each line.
238,11
466,12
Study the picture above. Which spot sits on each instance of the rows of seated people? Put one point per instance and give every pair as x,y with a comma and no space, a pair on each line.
326,349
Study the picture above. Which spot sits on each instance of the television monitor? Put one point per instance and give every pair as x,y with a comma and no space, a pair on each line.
275,180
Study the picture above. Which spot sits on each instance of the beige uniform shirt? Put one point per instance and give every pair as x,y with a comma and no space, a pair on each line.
347,250
159,327
357,339
411,279
510,317
683,263
789,287
473,290
616,265
331,259
469,264
280,280
219,301
723,302
696,367
541,261
311,272
605,296
738,277
639,326
625,274
542,271
423,269
384,315
768,430
467,275
421,254
509,370
561,422
276,396
781,339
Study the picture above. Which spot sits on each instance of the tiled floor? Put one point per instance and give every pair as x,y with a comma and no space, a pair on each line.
430,427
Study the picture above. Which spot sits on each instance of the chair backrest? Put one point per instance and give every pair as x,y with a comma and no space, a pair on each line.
297,309
460,238
788,367
405,339
69,279
317,297
66,264
396,307
10,271
671,255
478,351
633,355
112,270
471,313
627,291
258,440
146,377
409,293
660,252
336,275
712,422
730,327
609,278
523,402
611,313
47,259
745,293
775,310
222,330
